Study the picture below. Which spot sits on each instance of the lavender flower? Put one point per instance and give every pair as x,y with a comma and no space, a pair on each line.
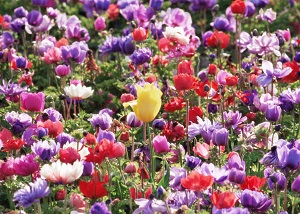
244,41
105,134
101,120
6,39
18,25
220,174
141,56
53,114
150,206
260,3
75,31
233,210
75,52
32,193
269,15
192,162
101,5
45,149
276,180
180,198
264,44
64,138
269,72
110,45
273,112
11,90
128,12
15,117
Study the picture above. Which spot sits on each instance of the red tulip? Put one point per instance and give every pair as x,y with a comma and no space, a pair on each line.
139,34
197,182
185,67
184,82
224,200
69,155
218,40
238,7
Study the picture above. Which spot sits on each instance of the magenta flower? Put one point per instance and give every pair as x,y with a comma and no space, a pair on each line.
33,101
161,144
26,165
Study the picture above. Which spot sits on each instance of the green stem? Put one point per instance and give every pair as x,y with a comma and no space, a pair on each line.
152,158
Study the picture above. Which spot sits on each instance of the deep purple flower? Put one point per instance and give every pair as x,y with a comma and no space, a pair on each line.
237,176
45,149
292,161
269,72
297,57
159,124
247,66
197,5
53,114
44,26
126,45
88,7
124,3
276,180
20,12
156,4
141,56
88,168
157,30
21,62
220,137
160,144
133,121
233,119
26,165
101,5
260,3
296,184
273,112
99,207
6,39
63,138
34,18
44,3
101,120
192,161
221,24
250,9
76,51
255,201
32,193
212,108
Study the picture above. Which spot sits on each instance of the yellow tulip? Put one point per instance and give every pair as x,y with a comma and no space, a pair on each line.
148,102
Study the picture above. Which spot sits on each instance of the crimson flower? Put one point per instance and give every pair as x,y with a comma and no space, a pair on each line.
173,131
212,91
92,189
231,80
223,200
185,67
294,75
134,194
54,128
195,112
197,182
218,39
176,103
238,7
139,34
253,183
69,155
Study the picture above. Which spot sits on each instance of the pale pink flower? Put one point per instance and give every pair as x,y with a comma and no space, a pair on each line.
53,55
77,201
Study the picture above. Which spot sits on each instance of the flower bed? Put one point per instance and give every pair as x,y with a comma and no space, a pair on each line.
181,106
